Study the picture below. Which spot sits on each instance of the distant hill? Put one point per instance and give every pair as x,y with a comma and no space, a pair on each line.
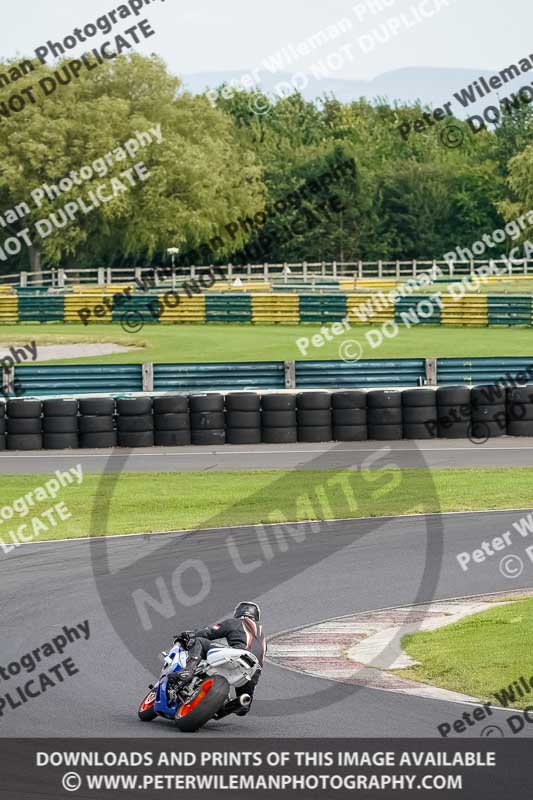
431,85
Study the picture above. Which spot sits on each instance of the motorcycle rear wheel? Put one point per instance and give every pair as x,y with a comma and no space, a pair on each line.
204,705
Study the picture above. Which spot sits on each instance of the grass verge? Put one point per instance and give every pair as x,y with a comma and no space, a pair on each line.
168,501
187,343
480,656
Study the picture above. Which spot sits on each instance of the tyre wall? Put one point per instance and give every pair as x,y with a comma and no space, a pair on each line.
449,412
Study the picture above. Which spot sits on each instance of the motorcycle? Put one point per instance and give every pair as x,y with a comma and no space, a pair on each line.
211,694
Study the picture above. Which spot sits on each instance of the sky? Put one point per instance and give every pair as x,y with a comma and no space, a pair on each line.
208,35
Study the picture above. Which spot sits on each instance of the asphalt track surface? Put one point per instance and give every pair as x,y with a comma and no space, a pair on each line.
325,570
443,453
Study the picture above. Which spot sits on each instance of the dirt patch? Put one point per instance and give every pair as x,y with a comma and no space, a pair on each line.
54,352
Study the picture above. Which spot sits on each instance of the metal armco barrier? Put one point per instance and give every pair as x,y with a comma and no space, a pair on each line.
355,374
79,379
485,370
72,379
206,377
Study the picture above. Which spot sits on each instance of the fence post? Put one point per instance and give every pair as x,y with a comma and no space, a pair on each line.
290,374
148,377
431,372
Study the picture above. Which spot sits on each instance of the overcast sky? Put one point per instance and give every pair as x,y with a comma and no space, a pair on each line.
208,35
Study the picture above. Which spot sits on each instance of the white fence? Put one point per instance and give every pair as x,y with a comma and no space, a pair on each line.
307,272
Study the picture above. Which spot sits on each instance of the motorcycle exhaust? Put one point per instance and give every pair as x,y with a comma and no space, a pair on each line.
234,705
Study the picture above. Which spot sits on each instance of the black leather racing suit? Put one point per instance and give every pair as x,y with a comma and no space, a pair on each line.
243,633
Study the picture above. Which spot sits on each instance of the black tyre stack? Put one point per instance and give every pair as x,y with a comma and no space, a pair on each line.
97,422
454,412
520,410
172,421
314,417
135,422
384,415
278,419
243,418
60,424
24,431
419,414
207,419
488,409
349,416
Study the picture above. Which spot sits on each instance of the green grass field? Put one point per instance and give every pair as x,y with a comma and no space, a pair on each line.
521,286
138,502
193,343
479,655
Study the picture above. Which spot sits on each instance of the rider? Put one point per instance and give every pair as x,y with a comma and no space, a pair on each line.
241,631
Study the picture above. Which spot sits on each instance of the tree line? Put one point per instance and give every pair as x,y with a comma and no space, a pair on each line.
226,167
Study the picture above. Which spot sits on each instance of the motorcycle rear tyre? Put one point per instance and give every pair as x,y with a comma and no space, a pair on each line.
206,707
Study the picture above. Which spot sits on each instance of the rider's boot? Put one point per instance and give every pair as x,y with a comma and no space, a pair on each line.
187,673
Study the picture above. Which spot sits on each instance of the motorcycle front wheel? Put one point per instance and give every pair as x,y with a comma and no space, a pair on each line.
204,705
146,711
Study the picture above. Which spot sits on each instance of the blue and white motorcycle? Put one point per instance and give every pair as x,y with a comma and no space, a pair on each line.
212,692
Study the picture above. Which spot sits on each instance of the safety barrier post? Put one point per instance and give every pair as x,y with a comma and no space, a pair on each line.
290,374
148,377
8,379
431,372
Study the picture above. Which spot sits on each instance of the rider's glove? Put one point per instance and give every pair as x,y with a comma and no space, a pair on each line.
184,638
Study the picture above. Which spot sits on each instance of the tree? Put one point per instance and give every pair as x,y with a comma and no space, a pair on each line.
200,176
